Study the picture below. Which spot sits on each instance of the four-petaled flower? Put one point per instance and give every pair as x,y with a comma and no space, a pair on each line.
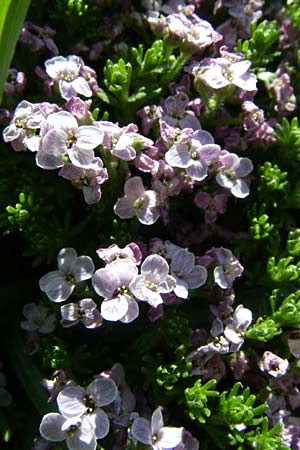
72,269
138,202
153,281
154,433
76,401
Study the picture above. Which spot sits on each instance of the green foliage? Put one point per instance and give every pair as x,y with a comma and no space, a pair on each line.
146,74
30,216
285,315
284,270
173,331
264,330
262,47
237,409
288,136
272,179
292,9
169,374
293,243
260,226
12,16
265,439
288,314
197,398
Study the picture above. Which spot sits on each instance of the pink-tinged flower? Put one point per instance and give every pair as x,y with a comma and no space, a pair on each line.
138,202
235,330
232,172
211,204
273,364
228,70
66,72
21,132
112,282
177,114
15,82
63,138
56,383
195,156
188,442
74,401
154,433
191,32
186,273
227,267
153,281
88,178
84,311
76,431
37,319
283,92
79,108
131,251
38,37
72,269
122,142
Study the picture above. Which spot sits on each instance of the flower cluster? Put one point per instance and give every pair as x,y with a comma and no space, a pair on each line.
86,414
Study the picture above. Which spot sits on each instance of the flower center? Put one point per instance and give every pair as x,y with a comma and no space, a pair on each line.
71,139
89,403
73,428
69,278
150,285
84,179
139,203
66,76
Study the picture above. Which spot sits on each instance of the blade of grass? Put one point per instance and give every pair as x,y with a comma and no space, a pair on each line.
12,16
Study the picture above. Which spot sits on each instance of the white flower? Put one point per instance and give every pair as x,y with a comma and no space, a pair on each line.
59,284
66,72
154,433
77,431
138,202
65,137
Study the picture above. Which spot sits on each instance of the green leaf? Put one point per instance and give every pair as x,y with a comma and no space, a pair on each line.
12,16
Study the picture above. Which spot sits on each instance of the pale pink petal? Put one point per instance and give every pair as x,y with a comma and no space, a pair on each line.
66,258
114,309
124,209
83,268
220,278
100,423
178,156
183,261
63,120
134,188
170,437
70,401
197,171
157,421
103,390
89,137
197,277
105,282
132,312
240,189
141,431
155,268
50,427
82,87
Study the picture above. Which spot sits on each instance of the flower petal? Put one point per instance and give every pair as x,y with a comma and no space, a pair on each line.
103,390
50,427
141,431
70,401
